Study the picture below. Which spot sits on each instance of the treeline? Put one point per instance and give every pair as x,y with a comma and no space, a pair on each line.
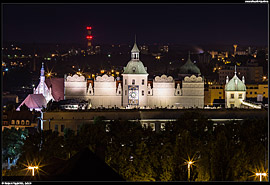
233,151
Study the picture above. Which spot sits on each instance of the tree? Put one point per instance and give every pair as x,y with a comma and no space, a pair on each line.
13,140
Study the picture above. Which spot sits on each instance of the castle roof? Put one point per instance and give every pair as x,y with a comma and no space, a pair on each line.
34,101
189,68
235,84
135,66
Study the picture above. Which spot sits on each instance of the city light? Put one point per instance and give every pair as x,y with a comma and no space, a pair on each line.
261,175
88,27
89,36
33,169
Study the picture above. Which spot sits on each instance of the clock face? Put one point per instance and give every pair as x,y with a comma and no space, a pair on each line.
133,95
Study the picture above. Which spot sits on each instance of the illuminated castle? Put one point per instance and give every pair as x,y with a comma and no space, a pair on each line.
135,91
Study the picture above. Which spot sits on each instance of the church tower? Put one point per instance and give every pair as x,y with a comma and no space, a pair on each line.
42,87
135,78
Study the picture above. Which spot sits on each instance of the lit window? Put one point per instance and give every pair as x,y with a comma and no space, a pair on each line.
152,125
162,126
22,122
12,122
145,125
17,122
27,122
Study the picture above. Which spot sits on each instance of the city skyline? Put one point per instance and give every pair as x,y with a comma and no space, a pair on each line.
243,24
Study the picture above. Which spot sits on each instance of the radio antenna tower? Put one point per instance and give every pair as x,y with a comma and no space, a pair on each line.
89,38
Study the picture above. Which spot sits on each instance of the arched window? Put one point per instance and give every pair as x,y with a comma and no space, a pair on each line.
27,122
17,122
22,122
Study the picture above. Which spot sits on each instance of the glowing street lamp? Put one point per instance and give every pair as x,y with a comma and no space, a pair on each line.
261,174
33,169
189,165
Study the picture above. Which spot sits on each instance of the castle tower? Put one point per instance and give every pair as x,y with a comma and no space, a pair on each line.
135,78
235,91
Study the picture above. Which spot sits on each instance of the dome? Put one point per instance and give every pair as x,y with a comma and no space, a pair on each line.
189,68
235,84
135,67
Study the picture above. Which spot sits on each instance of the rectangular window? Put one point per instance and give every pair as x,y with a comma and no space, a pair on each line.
142,81
133,82
125,81
125,92
62,128
232,96
56,128
240,96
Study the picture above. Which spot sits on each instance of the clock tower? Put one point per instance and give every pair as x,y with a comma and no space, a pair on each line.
135,78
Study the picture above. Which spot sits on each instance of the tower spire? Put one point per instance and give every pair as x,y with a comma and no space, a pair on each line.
42,69
235,69
189,55
135,51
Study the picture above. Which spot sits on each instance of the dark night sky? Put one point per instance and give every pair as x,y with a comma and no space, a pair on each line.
243,24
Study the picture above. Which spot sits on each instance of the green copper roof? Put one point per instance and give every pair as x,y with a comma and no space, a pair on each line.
189,68
235,84
134,67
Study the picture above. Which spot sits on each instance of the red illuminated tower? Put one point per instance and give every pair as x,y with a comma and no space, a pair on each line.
89,38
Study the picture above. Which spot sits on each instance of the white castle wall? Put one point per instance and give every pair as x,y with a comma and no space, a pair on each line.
75,87
163,91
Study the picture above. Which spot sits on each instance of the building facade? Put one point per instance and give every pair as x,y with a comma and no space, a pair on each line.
235,93
135,91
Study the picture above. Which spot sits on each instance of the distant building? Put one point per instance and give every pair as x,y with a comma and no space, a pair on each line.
213,93
47,90
235,93
204,58
253,74
23,119
9,98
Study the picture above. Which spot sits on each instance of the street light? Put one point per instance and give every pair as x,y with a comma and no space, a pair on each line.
189,165
261,174
33,169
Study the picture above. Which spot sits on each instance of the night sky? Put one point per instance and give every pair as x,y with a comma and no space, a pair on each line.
244,24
